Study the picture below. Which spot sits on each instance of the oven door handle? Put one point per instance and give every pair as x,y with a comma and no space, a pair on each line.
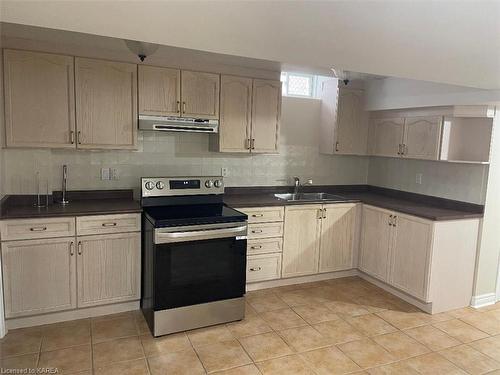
197,235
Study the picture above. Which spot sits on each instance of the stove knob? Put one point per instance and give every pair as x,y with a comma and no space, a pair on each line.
218,183
209,183
150,185
160,185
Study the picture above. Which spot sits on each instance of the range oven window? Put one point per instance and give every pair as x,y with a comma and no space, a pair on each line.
188,273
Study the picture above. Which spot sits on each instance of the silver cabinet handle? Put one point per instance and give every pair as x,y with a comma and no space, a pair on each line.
399,149
71,248
257,215
79,137
109,224
256,247
256,230
80,247
252,144
183,107
248,144
324,213
254,269
72,137
337,147
178,106
394,221
38,229
390,220
405,149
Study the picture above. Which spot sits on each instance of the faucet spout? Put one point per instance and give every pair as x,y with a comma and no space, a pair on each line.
296,185
64,200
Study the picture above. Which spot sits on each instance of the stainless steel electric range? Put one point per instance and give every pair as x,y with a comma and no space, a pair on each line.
193,254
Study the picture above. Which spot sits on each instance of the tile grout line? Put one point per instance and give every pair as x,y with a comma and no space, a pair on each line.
142,345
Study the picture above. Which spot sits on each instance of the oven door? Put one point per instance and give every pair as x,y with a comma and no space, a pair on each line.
199,264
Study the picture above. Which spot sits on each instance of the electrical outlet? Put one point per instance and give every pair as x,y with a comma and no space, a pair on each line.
224,171
105,174
113,174
418,178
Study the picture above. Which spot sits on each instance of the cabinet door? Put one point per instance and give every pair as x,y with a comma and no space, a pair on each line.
39,100
200,94
386,136
338,228
328,116
108,268
410,255
106,104
266,114
301,240
352,123
159,91
235,114
376,238
422,137
39,276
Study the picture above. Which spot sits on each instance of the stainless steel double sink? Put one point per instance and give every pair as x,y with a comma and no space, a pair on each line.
309,197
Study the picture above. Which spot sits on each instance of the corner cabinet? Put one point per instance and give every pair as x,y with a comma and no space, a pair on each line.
250,114
319,238
39,99
343,120
106,104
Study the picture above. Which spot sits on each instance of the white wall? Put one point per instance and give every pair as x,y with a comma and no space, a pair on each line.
441,41
394,93
188,154
463,182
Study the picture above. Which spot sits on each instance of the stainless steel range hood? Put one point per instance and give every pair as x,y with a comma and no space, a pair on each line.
178,124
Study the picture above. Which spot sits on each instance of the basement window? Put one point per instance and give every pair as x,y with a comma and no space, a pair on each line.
301,85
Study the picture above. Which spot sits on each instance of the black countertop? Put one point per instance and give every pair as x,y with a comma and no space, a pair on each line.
92,202
425,206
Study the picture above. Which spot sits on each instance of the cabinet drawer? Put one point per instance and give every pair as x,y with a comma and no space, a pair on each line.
26,229
263,214
263,267
265,230
103,224
265,245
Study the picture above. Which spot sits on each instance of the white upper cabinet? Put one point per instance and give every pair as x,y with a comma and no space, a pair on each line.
106,104
266,115
352,123
159,91
422,137
328,116
235,114
200,94
343,121
386,136
39,100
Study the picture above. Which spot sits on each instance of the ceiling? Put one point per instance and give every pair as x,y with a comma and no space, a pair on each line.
455,42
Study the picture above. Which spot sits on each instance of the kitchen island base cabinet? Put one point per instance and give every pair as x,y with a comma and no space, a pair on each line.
39,276
108,268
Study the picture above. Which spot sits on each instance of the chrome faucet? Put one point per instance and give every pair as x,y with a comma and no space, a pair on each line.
64,183
296,185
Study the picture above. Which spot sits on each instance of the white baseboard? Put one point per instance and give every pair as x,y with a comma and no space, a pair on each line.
300,280
483,300
30,321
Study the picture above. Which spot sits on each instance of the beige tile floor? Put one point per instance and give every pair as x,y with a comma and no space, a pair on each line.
331,327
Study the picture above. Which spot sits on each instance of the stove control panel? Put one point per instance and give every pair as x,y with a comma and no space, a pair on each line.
172,186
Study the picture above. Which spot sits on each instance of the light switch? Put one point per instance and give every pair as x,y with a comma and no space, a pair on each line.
224,171
104,174
418,178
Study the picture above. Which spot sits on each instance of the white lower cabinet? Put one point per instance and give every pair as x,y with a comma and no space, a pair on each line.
318,238
108,268
45,275
263,267
395,248
39,276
